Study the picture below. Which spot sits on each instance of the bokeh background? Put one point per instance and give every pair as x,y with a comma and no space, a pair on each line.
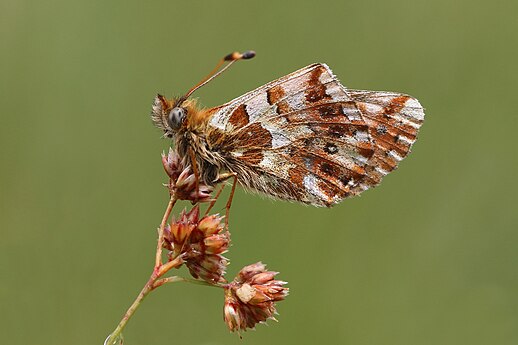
429,257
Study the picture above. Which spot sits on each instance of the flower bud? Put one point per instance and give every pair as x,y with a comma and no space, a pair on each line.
182,181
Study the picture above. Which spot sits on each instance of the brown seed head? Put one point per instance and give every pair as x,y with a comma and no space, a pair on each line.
200,243
251,297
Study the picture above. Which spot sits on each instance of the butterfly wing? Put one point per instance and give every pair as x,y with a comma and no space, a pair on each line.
305,137
393,120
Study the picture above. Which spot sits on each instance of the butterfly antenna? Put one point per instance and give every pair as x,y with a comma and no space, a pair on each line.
230,58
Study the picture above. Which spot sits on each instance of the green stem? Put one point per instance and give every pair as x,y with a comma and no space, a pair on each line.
114,337
176,279
160,241
150,286
160,270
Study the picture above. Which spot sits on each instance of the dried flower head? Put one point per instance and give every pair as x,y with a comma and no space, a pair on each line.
251,297
200,243
182,181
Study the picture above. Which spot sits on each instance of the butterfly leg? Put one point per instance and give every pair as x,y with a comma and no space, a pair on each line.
213,201
224,177
194,166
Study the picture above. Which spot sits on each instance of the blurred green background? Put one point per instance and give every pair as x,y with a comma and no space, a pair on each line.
429,257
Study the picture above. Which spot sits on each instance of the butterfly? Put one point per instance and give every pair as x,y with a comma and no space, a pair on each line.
303,137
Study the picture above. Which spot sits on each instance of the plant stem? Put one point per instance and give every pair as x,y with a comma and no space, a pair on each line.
160,242
158,271
176,279
131,310
163,269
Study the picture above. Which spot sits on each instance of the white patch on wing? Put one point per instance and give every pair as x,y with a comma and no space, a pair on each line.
362,136
361,158
220,118
352,115
311,185
297,101
381,171
372,108
350,160
296,85
405,121
237,153
337,92
414,109
280,137
276,163
363,187
257,106
395,155
405,140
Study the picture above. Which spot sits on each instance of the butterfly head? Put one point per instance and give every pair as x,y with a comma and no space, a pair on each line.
176,117
170,115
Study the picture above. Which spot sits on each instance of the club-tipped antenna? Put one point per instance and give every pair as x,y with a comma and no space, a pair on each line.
230,58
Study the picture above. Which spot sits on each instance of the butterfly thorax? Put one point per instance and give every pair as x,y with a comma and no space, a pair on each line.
193,144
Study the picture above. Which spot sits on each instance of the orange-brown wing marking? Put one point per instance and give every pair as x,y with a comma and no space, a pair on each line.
239,117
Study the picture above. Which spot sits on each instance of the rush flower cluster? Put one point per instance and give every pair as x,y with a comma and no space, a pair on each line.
251,297
200,244
182,181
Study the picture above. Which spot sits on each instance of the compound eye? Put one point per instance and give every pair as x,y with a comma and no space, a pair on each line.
176,117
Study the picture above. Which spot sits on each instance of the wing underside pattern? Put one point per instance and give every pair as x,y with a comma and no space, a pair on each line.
305,137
